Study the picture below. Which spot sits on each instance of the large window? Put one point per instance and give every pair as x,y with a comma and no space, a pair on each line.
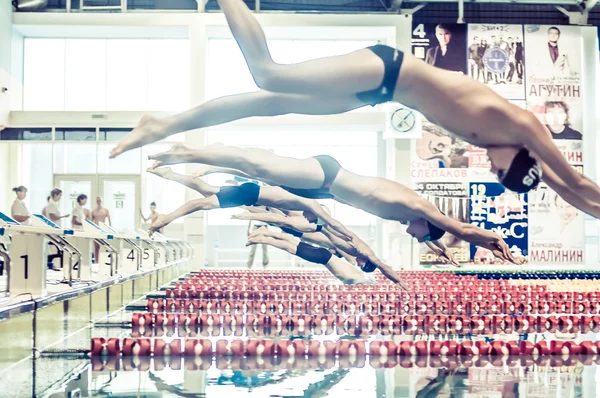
36,174
227,72
106,74
356,151
167,195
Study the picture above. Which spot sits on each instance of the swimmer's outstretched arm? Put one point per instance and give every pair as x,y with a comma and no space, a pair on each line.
442,251
538,139
467,232
565,192
363,253
343,271
282,199
196,184
300,224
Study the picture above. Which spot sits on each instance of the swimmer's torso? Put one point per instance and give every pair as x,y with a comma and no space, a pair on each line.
378,196
464,107
100,215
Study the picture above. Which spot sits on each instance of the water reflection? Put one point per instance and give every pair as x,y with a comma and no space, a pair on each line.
345,377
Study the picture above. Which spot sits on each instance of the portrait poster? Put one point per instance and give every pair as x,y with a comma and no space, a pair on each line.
553,60
441,45
496,58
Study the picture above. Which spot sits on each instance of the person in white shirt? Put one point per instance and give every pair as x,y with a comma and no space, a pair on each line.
52,210
253,226
79,215
18,210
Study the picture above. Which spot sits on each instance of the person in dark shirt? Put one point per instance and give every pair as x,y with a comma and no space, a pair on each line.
483,46
519,59
475,59
558,56
445,55
557,121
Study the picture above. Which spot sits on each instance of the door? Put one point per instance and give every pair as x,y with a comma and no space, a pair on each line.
121,196
72,186
122,199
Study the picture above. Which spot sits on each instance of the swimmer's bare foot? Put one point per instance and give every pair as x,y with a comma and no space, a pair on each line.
241,216
160,222
163,172
266,233
178,153
262,231
203,170
257,240
148,130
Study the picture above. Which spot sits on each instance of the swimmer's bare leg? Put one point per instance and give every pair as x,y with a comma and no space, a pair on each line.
198,185
286,245
352,73
272,234
257,163
230,108
206,169
192,206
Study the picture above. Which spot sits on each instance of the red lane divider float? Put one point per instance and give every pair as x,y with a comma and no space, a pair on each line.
369,324
144,347
296,362
307,306
284,292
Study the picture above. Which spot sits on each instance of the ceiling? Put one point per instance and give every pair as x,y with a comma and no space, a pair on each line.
489,11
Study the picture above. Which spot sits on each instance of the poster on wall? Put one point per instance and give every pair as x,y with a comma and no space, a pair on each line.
553,59
494,208
496,58
556,231
572,150
452,199
563,118
552,53
437,155
441,45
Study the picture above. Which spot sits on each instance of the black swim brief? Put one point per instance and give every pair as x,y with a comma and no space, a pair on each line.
392,60
244,195
313,254
330,168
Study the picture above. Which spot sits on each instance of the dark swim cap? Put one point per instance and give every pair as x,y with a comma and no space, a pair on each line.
435,233
369,267
524,173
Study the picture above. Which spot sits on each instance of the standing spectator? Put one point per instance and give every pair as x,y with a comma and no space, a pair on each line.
79,215
99,215
253,226
52,210
18,210
153,215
